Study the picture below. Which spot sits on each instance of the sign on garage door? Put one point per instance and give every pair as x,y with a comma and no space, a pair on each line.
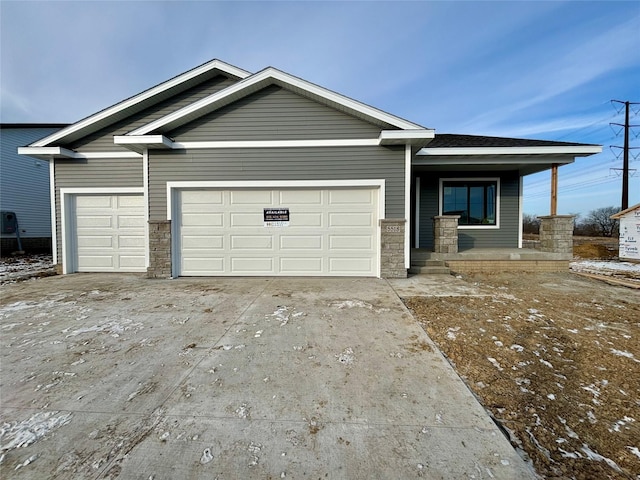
109,233
330,231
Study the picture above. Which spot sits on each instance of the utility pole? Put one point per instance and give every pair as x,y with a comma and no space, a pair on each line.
625,153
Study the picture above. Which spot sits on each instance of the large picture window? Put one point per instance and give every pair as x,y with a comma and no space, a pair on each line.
476,201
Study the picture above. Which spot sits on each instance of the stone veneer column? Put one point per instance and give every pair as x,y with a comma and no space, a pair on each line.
556,234
159,249
392,248
445,233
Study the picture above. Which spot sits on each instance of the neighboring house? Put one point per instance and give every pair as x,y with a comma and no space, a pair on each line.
24,187
629,244
222,172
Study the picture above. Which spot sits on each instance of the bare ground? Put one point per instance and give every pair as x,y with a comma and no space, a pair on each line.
555,358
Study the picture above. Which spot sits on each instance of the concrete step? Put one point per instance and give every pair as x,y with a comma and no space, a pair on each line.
430,270
427,263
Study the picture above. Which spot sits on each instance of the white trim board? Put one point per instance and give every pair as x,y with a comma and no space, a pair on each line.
171,186
66,202
473,179
407,206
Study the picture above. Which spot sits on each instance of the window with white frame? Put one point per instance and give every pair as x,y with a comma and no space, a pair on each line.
475,200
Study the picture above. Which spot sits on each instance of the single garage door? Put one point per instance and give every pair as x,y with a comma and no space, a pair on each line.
109,233
329,232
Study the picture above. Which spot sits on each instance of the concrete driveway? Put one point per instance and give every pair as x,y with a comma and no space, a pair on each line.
117,376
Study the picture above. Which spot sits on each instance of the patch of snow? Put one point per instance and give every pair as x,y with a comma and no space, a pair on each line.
495,363
544,362
604,267
621,423
206,457
346,357
115,329
451,332
356,304
591,455
621,353
24,433
634,450
517,348
551,396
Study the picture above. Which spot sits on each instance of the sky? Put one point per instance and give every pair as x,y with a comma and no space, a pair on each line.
543,70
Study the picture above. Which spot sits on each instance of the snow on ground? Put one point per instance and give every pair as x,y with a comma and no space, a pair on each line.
13,269
607,267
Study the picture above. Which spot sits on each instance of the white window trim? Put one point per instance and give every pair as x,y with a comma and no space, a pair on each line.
473,179
174,187
67,196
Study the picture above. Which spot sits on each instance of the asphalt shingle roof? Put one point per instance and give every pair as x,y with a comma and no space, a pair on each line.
449,140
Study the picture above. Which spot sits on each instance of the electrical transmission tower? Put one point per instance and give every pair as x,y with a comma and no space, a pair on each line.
625,151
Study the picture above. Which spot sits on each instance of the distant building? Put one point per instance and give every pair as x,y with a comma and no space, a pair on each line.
629,233
24,187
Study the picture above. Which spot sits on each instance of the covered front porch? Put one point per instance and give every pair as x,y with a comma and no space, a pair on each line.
467,215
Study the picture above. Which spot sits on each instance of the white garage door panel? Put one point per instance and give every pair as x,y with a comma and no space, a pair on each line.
109,233
331,231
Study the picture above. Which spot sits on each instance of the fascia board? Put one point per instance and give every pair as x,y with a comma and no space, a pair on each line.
214,64
575,150
401,137
263,78
46,153
624,212
139,143
492,160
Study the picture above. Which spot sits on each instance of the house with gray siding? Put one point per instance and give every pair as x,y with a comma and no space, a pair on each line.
223,172
24,187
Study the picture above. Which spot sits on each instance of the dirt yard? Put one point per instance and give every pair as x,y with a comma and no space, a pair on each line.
555,358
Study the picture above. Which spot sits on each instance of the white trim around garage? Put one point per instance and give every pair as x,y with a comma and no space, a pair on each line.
520,213
173,187
145,190
407,206
66,203
52,199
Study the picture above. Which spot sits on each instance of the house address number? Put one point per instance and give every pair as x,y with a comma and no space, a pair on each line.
393,229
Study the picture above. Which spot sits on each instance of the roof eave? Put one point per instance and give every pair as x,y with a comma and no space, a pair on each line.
260,80
139,143
414,137
98,118
47,153
573,150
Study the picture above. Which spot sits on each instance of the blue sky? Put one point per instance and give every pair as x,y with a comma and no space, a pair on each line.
541,69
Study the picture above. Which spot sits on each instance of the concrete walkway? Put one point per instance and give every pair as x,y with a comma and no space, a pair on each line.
117,376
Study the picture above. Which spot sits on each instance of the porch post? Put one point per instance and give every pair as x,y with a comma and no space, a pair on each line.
445,233
554,189
556,234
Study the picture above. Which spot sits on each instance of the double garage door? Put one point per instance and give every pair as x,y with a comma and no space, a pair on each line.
321,232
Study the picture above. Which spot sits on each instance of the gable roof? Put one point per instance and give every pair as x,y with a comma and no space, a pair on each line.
625,211
272,76
141,101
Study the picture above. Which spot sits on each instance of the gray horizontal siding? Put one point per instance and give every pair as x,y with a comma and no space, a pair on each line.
504,237
274,113
102,141
331,163
94,173
24,182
